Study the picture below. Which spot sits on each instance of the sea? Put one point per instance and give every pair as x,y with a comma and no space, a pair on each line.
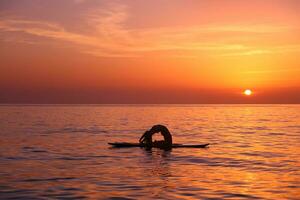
62,152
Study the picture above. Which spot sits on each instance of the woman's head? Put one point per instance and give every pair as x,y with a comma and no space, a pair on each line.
146,139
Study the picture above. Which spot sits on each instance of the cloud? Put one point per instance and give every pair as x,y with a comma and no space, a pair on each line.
79,1
270,50
104,39
110,37
249,53
294,70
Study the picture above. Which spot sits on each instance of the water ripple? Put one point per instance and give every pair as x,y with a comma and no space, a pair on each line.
61,152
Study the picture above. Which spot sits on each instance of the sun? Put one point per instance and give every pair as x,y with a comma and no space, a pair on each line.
247,92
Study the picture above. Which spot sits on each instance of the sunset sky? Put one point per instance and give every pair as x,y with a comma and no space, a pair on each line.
139,51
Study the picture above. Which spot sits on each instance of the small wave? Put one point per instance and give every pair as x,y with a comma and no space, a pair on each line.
260,128
49,179
293,186
29,149
264,154
238,195
92,130
189,189
119,198
236,163
100,156
72,189
187,194
293,126
264,120
247,132
72,158
130,187
273,133
14,158
17,194
39,151
244,146
63,195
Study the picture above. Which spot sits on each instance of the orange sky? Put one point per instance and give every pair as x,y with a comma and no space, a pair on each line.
134,51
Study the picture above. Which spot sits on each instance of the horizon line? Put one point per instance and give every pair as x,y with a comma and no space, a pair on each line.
100,104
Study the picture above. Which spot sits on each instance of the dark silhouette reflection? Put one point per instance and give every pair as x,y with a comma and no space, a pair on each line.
146,139
156,168
157,161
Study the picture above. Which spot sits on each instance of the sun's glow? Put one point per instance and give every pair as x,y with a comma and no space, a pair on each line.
248,92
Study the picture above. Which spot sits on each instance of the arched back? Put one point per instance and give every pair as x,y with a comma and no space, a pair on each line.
166,144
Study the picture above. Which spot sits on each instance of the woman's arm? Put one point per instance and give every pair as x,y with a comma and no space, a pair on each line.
146,138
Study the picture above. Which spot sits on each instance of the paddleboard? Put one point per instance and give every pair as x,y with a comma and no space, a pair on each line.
127,144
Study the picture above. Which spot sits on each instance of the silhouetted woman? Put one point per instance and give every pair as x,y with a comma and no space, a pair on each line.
146,138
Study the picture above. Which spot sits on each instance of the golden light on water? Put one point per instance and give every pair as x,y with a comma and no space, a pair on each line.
248,92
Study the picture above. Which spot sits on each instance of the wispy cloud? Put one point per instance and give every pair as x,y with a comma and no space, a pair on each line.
249,53
271,71
271,50
110,37
79,1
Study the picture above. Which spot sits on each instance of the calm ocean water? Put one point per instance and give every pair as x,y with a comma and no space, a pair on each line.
57,151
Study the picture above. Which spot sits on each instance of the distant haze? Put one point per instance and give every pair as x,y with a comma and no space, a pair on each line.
179,51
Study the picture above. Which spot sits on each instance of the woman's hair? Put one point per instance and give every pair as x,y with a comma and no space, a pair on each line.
146,138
